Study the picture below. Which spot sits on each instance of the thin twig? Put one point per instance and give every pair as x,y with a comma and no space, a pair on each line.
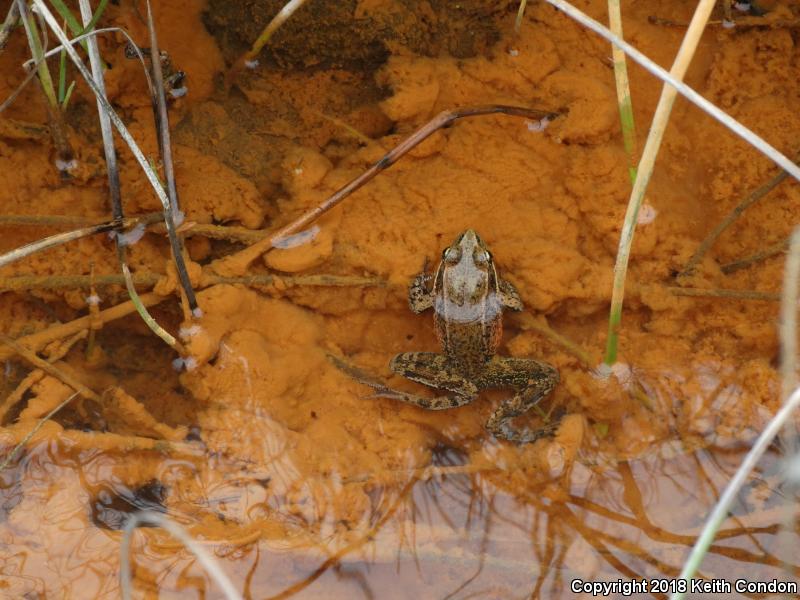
165,149
153,518
13,95
53,240
741,23
13,454
279,19
723,293
528,321
712,237
38,340
62,282
243,258
736,265
11,20
45,366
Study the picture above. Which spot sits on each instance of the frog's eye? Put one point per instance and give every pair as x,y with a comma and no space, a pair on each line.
451,255
481,257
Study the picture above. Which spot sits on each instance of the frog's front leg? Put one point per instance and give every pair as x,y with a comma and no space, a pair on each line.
509,296
432,370
419,297
533,381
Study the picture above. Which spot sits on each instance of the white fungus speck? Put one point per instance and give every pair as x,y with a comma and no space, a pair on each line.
251,64
190,363
130,237
178,217
197,312
93,300
742,6
66,165
189,332
727,24
647,214
513,52
179,92
538,126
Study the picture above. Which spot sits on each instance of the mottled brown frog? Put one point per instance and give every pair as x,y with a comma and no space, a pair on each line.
468,299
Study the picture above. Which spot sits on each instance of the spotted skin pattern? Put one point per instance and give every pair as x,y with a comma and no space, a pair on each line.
468,299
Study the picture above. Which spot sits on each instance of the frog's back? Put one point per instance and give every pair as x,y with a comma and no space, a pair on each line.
469,339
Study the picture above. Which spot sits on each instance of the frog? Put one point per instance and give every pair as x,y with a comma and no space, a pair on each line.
468,299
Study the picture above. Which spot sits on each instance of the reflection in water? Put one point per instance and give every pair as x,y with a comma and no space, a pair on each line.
451,530
305,490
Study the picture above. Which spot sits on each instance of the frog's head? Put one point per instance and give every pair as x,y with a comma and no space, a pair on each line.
466,275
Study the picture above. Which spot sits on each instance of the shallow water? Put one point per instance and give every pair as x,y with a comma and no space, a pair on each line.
274,459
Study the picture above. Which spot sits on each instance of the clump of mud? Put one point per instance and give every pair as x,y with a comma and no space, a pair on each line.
358,35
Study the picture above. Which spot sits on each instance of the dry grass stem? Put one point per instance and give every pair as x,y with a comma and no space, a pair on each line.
11,20
56,282
540,325
240,261
741,23
742,263
48,368
748,201
36,341
52,241
723,293
13,454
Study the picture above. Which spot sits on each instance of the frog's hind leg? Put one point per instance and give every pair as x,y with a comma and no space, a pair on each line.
433,370
533,380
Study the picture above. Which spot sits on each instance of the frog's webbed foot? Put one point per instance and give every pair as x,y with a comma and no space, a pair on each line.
419,297
434,371
534,380
509,296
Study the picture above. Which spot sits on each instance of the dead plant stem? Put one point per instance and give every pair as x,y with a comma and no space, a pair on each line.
443,119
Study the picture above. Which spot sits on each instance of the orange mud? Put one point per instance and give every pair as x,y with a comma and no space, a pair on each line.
298,484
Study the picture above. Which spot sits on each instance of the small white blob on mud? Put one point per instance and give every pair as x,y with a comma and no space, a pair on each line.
647,214
728,24
178,217
742,6
619,370
189,363
251,64
513,52
189,332
537,126
179,92
93,300
197,312
66,165
556,460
